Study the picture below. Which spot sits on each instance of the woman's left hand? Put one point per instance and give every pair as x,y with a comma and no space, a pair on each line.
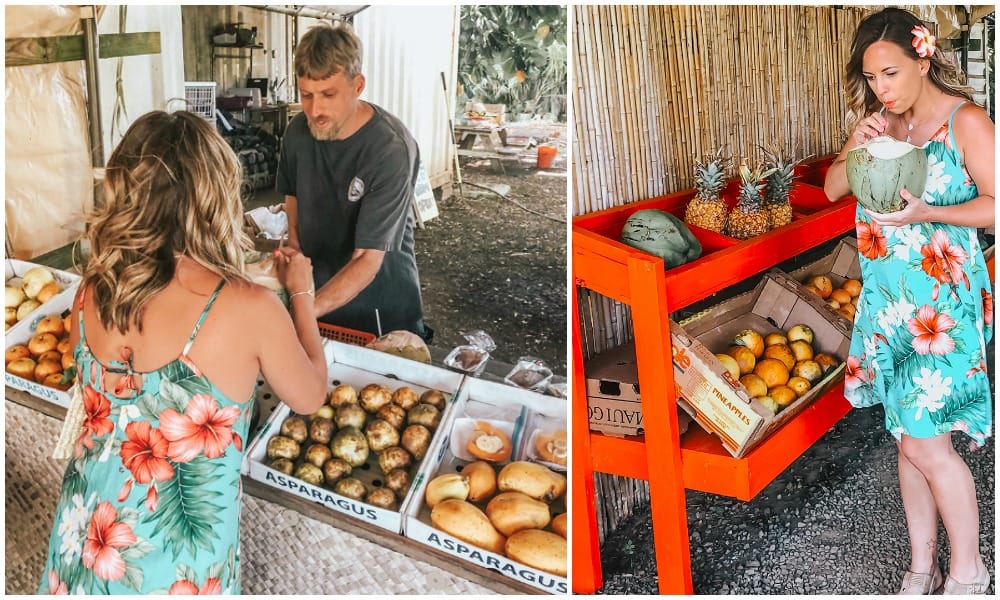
915,211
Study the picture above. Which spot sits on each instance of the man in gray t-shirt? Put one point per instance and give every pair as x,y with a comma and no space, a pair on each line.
347,170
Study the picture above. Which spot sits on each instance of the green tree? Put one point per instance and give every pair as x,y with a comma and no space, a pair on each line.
514,55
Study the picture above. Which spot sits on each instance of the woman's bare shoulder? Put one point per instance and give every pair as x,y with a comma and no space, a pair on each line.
253,295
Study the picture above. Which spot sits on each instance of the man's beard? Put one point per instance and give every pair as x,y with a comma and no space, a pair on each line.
326,134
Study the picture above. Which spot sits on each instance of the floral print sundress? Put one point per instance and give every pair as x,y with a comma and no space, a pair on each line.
925,313
150,502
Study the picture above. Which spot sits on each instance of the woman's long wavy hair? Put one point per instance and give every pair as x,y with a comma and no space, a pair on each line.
892,25
172,187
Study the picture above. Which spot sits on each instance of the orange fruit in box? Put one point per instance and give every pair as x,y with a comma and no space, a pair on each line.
42,343
754,385
841,296
825,361
823,284
730,364
853,287
782,353
752,340
783,395
15,352
744,358
772,371
51,324
44,368
775,338
809,369
64,345
799,385
801,350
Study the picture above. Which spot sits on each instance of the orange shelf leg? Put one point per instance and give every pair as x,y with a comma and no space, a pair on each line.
651,322
586,575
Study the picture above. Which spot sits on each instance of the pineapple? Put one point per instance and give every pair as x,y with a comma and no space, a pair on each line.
748,219
706,209
779,186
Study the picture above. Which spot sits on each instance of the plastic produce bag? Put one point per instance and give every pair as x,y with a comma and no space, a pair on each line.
472,357
530,373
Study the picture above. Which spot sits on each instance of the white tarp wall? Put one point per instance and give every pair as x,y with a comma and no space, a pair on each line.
149,81
406,48
49,176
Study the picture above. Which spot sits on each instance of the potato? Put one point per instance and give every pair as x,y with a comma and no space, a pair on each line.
398,480
542,550
350,445
405,398
382,497
532,479
511,512
351,487
321,430
309,473
283,465
424,414
393,414
373,396
350,415
416,439
295,428
335,469
318,454
394,458
280,446
467,523
34,279
26,307
341,395
435,398
381,435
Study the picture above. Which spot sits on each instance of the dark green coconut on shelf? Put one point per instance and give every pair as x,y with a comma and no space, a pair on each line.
661,234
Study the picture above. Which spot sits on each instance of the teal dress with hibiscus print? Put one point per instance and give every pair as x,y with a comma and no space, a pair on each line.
925,313
150,502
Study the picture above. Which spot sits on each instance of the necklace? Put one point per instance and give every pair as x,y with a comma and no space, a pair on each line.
910,126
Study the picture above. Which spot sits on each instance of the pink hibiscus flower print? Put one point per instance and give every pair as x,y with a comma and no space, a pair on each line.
183,587
942,259
145,453
57,587
987,307
941,135
854,375
96,422
203,428
104,537
930,331
871,240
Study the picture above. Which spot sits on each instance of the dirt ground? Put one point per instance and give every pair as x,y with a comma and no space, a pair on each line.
498,263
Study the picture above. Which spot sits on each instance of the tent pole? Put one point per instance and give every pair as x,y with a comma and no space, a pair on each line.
90,50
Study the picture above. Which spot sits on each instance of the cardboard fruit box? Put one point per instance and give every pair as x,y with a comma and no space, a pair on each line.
358,367
721,405
613,399
15,269
840,265
25,330
524,416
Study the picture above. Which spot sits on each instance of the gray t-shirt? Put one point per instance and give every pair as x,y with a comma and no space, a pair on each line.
357,193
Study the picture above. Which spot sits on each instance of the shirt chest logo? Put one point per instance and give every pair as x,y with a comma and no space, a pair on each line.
355,190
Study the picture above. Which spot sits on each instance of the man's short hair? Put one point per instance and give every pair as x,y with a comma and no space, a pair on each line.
326,50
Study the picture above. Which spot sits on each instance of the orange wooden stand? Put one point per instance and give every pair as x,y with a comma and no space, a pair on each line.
699,462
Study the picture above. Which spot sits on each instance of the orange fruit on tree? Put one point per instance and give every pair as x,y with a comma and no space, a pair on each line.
772,371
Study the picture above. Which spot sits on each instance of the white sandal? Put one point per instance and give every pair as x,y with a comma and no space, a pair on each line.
979,586
921,584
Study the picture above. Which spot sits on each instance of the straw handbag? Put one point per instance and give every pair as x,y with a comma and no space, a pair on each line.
72,425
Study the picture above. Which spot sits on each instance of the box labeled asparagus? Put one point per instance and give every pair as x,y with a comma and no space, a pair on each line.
28,286
361,453
38,357
494,493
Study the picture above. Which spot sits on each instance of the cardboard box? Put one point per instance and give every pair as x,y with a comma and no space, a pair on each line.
15,269
721,405
359,367
840,265
25,330
613,400
481,399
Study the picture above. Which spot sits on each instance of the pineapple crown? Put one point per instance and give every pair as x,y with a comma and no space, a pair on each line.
710,175
751,186
779,183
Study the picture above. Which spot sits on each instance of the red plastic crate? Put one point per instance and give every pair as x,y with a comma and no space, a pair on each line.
345,334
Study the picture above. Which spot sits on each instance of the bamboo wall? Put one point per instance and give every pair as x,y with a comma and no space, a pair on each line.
656,87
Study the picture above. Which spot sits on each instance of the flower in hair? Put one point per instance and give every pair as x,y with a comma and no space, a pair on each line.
923,42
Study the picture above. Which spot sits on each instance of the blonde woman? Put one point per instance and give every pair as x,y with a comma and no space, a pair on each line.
169,338
926,308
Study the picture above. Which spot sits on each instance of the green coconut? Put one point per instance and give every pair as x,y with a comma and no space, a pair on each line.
879,169
661,234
